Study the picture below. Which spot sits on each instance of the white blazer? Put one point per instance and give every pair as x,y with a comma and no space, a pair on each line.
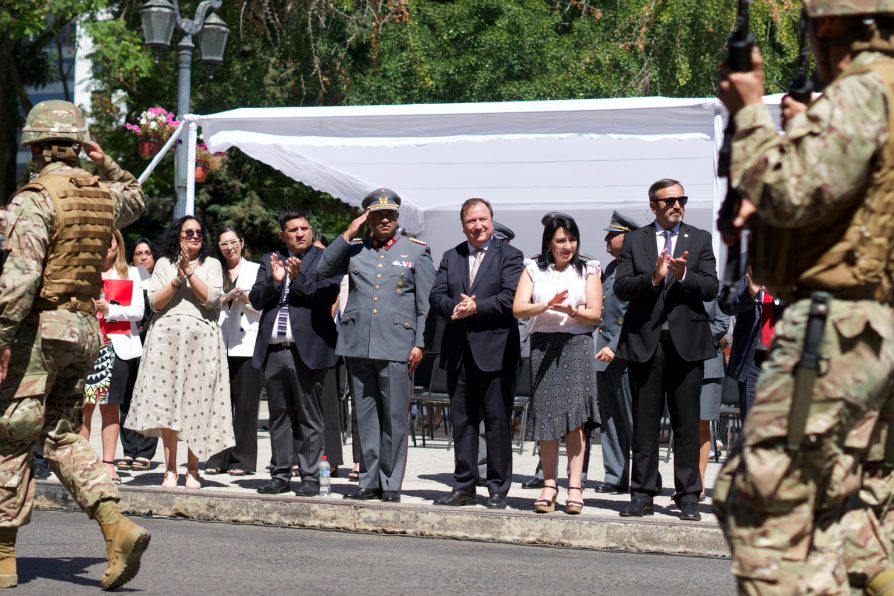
239,322
128,347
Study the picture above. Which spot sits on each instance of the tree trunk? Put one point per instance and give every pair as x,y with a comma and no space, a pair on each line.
10,120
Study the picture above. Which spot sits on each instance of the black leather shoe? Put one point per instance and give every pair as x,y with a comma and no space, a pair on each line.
457,500
496,501
608,487
274,487
534,482
689,511
364,494
638,508
391,496
308,488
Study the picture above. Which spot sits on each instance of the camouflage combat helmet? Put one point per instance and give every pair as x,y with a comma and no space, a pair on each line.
837,8
55,120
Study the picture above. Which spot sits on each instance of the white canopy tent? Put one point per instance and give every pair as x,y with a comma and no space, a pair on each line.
584,157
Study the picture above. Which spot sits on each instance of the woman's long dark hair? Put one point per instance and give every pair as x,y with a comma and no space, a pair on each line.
550,227
170,246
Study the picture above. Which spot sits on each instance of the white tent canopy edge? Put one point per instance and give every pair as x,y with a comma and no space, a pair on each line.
585,157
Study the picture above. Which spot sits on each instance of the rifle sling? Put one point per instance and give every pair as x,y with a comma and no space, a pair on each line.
807,369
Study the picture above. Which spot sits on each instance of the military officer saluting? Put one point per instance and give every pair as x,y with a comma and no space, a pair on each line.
381,334
58,229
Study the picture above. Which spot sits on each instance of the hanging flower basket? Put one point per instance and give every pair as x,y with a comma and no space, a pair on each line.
153,128
149,148
201,171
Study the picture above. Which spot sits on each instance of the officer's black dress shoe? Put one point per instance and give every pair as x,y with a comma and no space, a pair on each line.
391,496
364,494
457,500
639,508
496,501
689,509
274,487
608,487
534,482
308,488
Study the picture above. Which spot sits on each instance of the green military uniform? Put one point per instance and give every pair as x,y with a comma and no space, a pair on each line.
806,521
57,231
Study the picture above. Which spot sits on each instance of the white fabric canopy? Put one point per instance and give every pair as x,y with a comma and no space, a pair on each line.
583,157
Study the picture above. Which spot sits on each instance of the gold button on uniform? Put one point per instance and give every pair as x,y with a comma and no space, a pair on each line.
377,287
375,311
375,298
378,276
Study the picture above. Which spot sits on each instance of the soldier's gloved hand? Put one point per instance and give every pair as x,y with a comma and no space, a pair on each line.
354,229
740,89
5,356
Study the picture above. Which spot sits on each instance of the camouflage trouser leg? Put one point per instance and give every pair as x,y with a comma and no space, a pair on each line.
868,544
54,360
781,512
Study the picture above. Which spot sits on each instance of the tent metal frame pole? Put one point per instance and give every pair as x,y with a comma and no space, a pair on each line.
160,155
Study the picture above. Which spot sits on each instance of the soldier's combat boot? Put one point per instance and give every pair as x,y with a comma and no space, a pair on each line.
125,544
8,575
882,584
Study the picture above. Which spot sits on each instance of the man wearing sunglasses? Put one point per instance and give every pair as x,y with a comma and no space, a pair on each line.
667,272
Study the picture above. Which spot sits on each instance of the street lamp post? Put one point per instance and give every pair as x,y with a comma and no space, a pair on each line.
159,18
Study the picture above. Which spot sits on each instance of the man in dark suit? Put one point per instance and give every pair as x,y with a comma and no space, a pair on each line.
612,387
474,289
295,348
666,272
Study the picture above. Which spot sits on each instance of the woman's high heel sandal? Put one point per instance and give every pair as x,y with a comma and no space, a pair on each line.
544,505
193,480
170,480
574,507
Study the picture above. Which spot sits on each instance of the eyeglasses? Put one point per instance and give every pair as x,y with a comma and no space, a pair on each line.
671,200
228,244
143,253
192,233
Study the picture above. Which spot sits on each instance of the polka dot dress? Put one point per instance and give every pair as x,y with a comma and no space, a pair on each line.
183,385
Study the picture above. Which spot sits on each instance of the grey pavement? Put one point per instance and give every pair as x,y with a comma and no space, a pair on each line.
429,475
62,553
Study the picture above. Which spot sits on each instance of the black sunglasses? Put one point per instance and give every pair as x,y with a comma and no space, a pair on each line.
192,233
671,200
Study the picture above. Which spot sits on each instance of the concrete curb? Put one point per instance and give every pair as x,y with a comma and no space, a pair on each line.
512,527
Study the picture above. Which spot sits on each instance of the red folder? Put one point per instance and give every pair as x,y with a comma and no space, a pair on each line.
120,291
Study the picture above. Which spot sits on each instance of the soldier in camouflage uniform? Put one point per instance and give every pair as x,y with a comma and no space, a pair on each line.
809,520
56,234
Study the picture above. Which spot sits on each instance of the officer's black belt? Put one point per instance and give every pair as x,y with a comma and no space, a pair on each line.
280,346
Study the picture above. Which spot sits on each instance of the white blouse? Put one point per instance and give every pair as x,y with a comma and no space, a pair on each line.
127,346
239,322
548,283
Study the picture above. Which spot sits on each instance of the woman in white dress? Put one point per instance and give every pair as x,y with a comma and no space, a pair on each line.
107,385
183,387
239,323
562,293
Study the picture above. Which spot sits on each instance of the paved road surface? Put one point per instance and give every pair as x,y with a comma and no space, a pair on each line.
62,553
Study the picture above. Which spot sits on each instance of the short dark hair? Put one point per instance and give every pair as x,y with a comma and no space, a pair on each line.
550,227
468,203
659,184
290,214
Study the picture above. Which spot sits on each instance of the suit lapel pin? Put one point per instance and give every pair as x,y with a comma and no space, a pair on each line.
685,235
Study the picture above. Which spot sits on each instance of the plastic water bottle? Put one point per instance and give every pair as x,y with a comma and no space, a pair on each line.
325,478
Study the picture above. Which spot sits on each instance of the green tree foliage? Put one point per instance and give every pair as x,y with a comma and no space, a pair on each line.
28,56
336,52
